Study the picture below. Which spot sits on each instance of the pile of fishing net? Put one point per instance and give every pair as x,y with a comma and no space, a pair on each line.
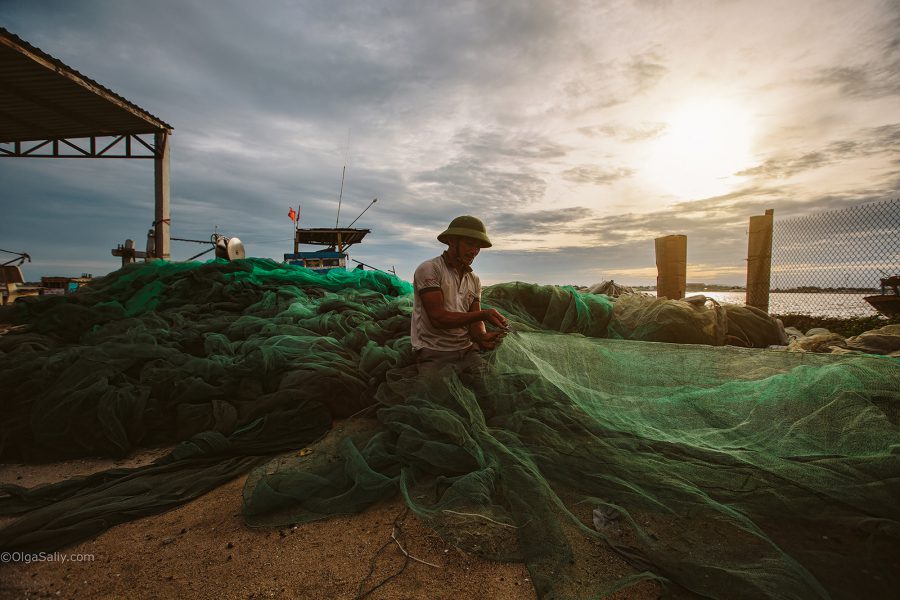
612,289
884,340
231,361
716,470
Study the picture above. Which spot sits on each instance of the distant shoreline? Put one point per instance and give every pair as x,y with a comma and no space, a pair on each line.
797,290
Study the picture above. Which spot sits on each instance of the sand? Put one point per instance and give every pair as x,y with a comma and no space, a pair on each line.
203,550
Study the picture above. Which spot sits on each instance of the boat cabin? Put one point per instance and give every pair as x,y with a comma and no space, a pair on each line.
64,285
892,283
320,261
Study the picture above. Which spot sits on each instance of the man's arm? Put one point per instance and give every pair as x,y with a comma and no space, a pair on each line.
441,318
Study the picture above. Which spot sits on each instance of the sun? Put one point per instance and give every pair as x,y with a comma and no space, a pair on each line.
705,143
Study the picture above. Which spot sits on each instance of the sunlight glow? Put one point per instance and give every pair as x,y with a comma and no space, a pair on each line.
706,142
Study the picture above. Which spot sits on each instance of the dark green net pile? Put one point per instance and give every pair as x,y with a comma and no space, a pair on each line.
718,471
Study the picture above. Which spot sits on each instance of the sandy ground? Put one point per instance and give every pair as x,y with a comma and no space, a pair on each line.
203,550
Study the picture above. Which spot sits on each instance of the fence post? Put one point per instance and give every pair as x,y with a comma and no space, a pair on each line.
759,260
671,266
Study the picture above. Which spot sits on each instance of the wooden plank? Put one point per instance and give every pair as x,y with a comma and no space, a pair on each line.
671,266
759,260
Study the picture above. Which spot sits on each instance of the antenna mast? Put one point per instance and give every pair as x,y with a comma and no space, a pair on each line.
340,196
343,172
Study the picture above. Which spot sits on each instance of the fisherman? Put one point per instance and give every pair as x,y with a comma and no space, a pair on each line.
448,323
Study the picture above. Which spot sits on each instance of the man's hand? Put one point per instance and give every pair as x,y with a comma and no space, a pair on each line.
493,317
490,340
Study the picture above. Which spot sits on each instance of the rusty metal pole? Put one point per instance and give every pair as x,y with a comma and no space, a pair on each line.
671,266
161,181
759,260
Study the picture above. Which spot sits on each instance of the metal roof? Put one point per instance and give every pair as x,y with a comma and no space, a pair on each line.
330,236
43,98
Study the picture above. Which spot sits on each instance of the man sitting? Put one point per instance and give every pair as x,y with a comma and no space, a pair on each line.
448,323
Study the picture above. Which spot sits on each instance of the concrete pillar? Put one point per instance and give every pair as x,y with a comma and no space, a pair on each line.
161,179
671,266
759,260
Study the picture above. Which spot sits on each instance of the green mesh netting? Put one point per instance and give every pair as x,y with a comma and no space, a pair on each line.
235,361
723,472
718,471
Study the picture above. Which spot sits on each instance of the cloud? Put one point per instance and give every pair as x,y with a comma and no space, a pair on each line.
518,146
877,77
716,229
873,141
867,81
645,70
537,223
563,265
603,84
505,110
467,183
786,167
487,169
639,133
597,175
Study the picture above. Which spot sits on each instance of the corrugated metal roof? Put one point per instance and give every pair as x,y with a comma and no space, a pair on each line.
330,236
43,98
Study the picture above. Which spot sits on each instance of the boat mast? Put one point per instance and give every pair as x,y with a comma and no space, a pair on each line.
343,173
341,195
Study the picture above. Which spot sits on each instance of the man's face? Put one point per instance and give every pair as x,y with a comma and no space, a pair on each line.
467,249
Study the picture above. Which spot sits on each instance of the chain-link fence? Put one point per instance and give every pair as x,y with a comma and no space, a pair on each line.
825,264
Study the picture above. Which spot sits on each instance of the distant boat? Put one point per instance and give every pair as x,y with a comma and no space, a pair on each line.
888,302
337,240
12,281
13,285
333,256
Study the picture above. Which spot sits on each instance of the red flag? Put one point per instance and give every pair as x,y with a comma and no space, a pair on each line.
292,214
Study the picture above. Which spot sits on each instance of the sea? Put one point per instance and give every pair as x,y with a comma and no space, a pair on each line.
817,304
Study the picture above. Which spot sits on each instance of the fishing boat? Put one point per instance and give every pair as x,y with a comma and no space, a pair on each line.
888,301
12,282
336,242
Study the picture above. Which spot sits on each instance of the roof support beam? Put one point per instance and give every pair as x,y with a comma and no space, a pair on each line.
162,221
125,150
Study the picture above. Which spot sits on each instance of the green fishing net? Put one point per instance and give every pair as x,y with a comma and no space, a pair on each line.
722,472
717,471
232,361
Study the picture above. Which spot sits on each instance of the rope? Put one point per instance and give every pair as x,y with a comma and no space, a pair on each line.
398,527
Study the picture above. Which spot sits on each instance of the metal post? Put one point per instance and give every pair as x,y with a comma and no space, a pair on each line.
161,220
671,266
759,260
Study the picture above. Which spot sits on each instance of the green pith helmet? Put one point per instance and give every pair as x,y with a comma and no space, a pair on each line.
469,227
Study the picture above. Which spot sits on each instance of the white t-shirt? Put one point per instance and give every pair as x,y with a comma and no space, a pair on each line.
459,293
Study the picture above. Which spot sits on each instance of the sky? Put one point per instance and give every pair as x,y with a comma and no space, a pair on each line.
578,131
